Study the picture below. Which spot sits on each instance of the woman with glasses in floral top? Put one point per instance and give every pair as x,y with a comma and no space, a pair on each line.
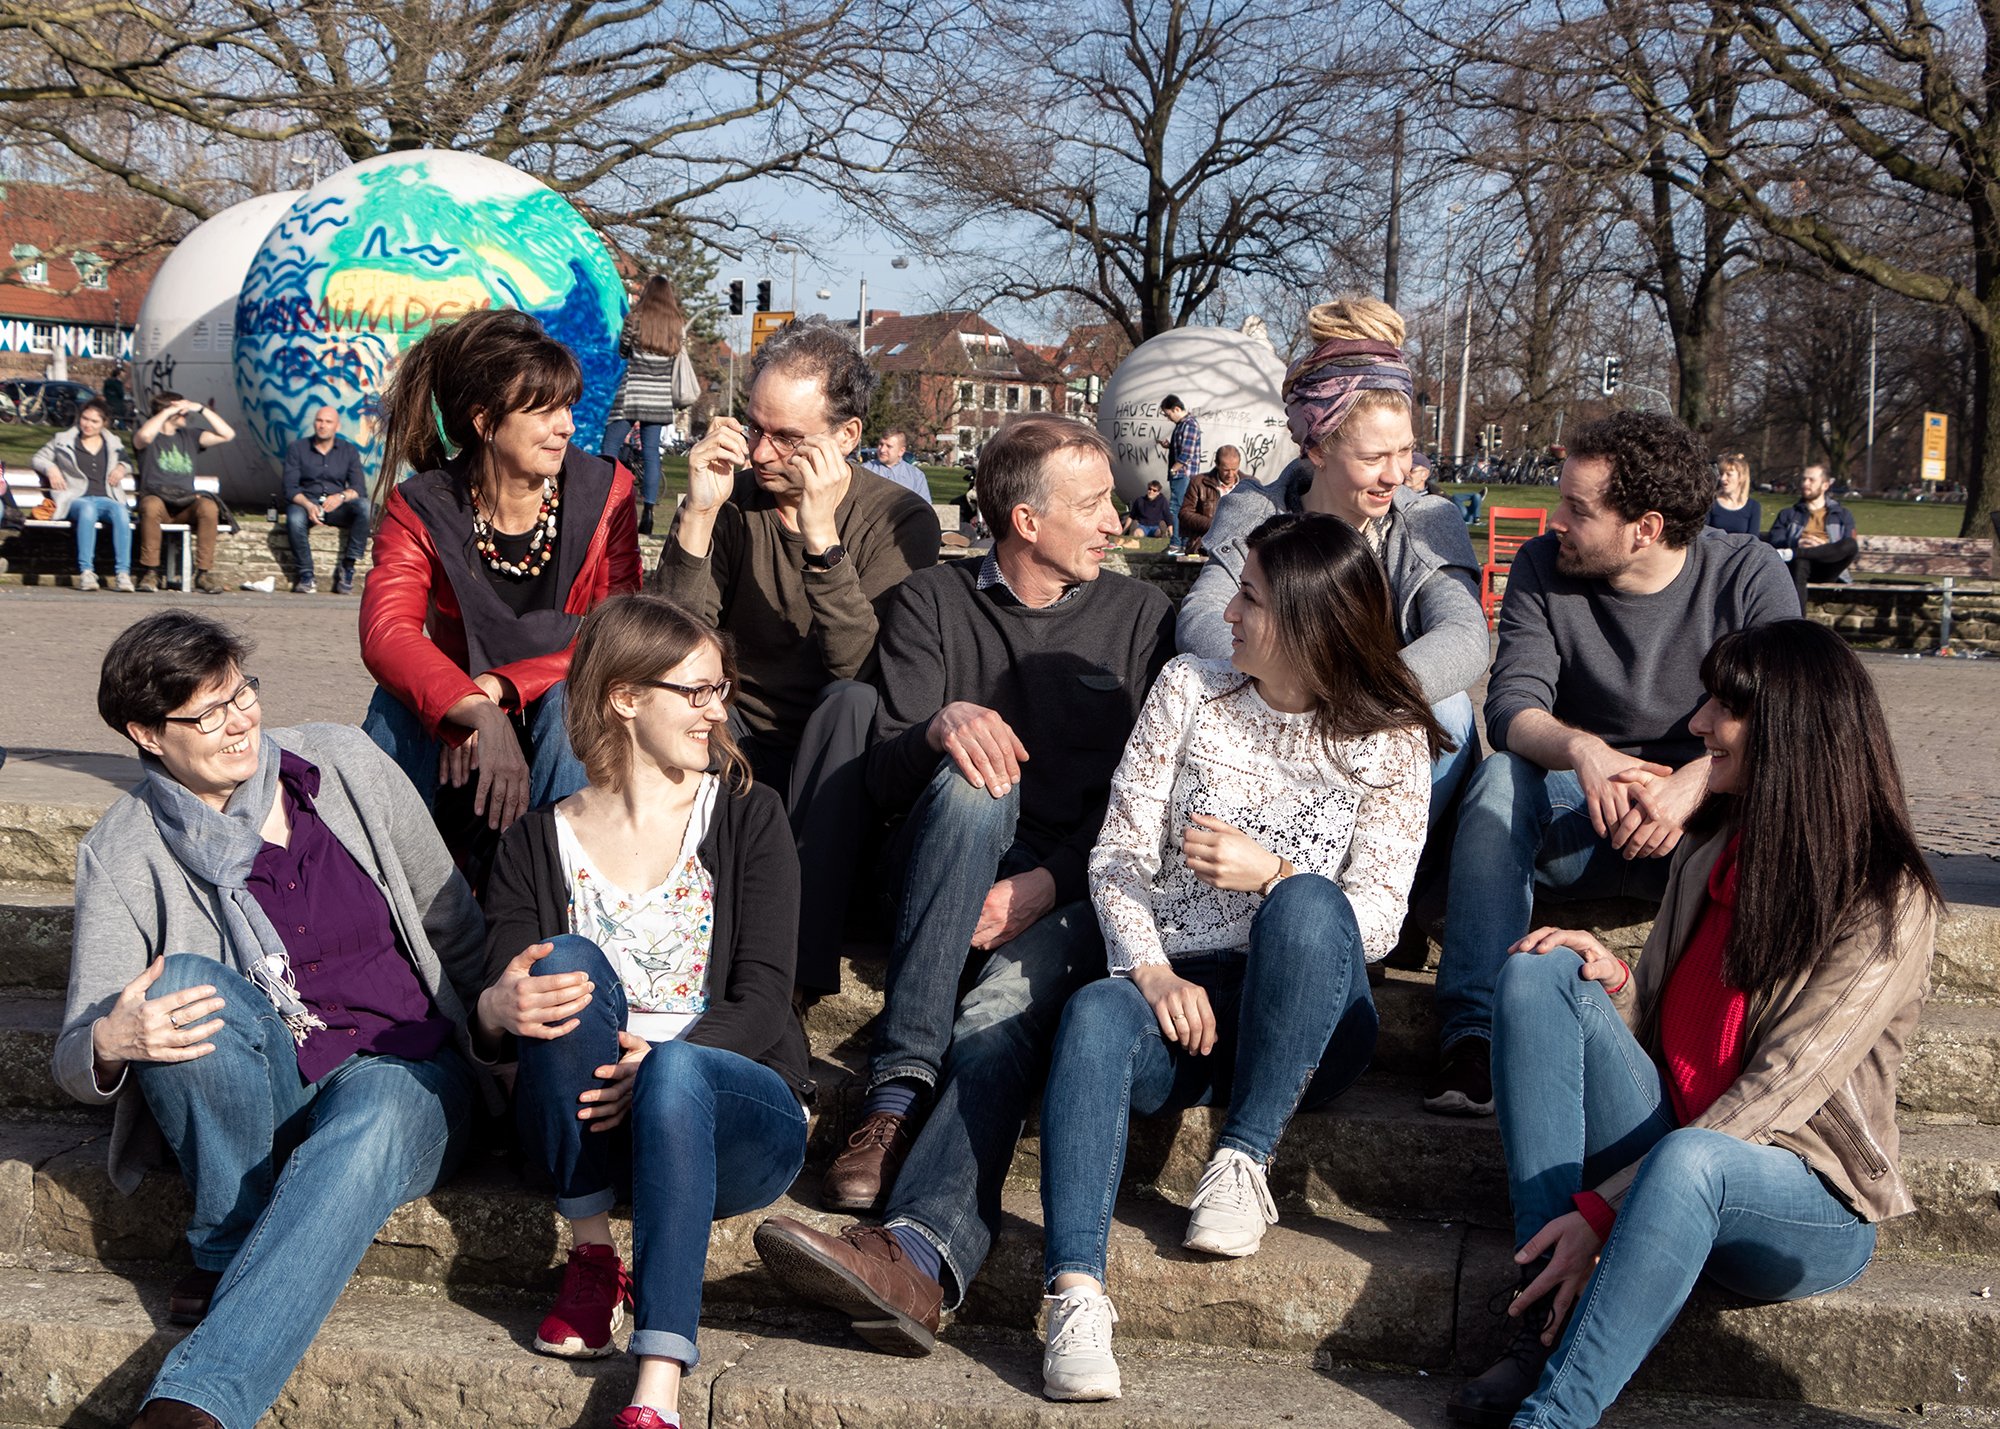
641,937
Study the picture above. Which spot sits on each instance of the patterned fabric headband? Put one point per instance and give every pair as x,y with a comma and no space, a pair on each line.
1322,387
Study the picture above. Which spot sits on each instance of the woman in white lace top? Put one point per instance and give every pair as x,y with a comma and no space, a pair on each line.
1263,830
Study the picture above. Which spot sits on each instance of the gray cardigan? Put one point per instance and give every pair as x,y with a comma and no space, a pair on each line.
135,903
1433,579
58,458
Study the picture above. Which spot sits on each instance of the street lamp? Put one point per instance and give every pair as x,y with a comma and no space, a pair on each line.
1464,375
1869,479
794,250
1444,330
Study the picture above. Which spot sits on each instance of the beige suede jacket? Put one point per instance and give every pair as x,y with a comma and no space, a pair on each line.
1820,1054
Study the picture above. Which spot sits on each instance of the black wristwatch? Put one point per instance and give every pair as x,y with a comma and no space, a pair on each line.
826,560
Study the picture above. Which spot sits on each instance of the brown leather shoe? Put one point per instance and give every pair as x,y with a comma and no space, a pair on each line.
861,1273
172,1414
860,1177
187,1302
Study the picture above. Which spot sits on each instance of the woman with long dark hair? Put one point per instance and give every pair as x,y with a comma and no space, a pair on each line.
489,555
659,379
641,936
1728,1107
1263,830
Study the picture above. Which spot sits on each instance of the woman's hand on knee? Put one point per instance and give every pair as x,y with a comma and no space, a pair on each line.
1599,964
1572,1247
525,1005
173,1027
1182,1007
606,1106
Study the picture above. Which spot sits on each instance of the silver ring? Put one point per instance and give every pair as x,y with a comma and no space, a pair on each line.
1180,1017
174,1019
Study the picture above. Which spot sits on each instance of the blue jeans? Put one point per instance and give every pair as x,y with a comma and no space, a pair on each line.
710,1134
1520,828
1450,770
987,1053
84,513
354,514
615,432
554,771
1177,487
1301,996
290,1181
1577,1098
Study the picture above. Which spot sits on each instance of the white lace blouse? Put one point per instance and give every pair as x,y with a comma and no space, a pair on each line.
1206,743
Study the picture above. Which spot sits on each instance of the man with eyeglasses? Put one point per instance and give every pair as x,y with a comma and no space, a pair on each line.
788,546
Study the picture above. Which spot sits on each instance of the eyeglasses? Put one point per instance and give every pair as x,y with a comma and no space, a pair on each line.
217,714
781,443
697,695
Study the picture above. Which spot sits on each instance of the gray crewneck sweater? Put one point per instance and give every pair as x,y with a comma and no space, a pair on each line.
1627,668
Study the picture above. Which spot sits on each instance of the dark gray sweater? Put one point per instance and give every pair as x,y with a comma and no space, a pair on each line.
1068,678
1627,668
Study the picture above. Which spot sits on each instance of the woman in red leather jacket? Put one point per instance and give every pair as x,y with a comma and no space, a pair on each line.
486,561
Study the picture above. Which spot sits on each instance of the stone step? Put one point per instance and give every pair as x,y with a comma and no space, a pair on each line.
80,1350
36,922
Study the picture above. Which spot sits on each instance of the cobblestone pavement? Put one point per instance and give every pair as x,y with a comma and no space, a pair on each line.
1945,713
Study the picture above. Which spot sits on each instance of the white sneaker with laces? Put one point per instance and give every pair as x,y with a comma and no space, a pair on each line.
1231,1206
1077,1362
86,580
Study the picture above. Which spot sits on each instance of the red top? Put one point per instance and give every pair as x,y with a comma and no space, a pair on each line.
413,634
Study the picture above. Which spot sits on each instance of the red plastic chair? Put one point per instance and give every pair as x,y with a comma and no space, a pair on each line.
1501,547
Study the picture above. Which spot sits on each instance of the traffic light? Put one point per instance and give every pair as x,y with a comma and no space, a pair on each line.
736,298
764,296
1610,382
1493,437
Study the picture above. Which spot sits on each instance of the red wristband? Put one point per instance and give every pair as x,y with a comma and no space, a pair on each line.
1595,1209
1614,991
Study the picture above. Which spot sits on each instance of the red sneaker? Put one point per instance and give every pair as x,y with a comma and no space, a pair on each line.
638,1416
591,1307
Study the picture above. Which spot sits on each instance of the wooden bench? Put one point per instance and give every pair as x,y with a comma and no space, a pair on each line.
25,493
1943,560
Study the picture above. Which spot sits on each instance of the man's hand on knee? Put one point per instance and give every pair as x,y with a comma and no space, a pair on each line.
1012,906
983,746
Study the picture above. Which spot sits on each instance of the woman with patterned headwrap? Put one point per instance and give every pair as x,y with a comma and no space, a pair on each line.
1351,405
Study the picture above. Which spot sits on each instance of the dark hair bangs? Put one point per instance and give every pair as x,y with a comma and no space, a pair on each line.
1729,673
550,377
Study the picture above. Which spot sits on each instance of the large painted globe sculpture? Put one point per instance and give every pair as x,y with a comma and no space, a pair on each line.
363,265
1230,382
186,337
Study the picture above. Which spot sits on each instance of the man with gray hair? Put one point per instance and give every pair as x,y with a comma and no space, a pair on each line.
1009,687
787,545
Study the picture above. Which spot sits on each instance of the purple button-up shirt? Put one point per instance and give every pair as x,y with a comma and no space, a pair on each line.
335,924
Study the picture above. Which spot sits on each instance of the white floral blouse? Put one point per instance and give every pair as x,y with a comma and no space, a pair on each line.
657,940
1206,743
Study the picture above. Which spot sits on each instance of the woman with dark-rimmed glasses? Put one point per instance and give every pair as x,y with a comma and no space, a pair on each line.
642,939
273,961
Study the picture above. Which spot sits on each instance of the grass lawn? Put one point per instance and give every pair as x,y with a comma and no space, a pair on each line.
1875,518
18,443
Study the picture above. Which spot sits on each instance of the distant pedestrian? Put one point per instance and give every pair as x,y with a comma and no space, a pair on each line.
84,468
659,378
891,461
1183,461
167,492
1148,516
1197,511
1735,510
1815,535
324,486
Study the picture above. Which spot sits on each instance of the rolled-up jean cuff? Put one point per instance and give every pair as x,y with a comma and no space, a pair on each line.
1484,1034
909,1071
666,1345
189,1394
578,1208
955,1289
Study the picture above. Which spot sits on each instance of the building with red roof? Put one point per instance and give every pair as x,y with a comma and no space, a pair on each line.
955,377
75,265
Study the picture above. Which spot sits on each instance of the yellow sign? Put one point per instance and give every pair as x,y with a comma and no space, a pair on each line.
762,325
1935,427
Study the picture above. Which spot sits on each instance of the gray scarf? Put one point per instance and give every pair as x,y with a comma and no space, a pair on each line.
220,850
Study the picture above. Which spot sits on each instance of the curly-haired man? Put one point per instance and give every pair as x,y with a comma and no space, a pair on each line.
1594,772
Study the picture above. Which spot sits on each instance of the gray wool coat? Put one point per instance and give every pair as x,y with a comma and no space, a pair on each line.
135,902
1433,580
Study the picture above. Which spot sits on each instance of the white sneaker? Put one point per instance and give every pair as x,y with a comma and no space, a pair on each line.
1077,1362
123,581
86,580
1231,1206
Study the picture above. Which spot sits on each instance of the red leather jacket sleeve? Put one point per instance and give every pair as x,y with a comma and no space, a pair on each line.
395,603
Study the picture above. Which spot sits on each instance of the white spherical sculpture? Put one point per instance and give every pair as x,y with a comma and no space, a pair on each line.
186,338
1230,384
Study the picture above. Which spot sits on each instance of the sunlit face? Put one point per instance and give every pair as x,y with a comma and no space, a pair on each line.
209,766
90,423
1735,481
1253,625
1596,542
890,449
1813,483
1366,461
785,408
668,730
326,422
1228,464
1726,737
530,443
1079,522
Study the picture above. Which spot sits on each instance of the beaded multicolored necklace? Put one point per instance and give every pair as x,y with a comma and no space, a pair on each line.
541,536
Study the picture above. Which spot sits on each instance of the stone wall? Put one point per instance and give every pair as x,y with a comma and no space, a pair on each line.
1910,618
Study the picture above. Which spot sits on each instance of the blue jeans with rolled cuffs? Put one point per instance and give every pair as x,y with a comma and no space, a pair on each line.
1295,1026
1520,828
1577,1099
290,1181
554,771
985,1053
709,1134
